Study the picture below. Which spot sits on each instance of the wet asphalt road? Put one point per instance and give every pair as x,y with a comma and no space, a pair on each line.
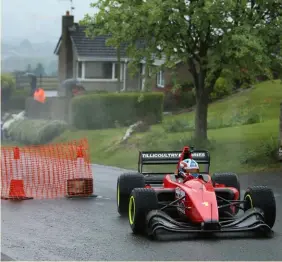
91,229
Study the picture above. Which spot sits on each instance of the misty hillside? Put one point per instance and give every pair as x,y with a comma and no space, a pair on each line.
17,55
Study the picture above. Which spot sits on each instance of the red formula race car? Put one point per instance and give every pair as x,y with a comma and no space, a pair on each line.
161,202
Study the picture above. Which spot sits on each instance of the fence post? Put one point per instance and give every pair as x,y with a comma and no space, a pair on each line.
79,185
16,191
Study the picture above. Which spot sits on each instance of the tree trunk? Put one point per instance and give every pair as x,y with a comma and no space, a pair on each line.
201,114
118,70
201,117
202,99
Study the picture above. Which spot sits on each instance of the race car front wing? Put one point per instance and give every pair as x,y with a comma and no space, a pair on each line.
252,220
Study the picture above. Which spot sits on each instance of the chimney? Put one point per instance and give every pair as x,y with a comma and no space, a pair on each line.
67,21
66,59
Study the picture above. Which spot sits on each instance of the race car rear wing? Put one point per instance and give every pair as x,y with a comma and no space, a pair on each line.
171,157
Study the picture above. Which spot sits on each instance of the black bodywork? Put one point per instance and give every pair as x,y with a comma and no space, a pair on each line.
159,222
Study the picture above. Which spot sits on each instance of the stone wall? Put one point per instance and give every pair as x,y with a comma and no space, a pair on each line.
55,108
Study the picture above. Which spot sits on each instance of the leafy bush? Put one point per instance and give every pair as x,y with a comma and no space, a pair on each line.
11,99
186,99
179,97
222,88
98,111
244,116
170,102
7,85
35,131
262,153
16,101
247,116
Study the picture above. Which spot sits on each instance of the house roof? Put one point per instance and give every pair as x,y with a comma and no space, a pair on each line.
89,47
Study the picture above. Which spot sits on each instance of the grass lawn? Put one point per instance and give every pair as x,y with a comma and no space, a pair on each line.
10,143
231,146
267,96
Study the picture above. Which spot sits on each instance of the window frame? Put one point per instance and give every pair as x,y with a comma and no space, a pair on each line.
160,76
112,79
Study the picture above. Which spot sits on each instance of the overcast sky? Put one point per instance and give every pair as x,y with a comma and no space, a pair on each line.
38,20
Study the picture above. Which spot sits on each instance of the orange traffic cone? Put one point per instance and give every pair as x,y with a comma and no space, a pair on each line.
16,191
80,186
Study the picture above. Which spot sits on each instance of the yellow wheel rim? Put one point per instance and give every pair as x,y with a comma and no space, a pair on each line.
248,196
131,210
118,195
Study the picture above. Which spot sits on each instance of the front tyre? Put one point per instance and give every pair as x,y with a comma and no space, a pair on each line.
263,198
141,202
125,184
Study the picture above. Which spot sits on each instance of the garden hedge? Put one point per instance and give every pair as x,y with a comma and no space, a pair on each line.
35,132
106,110
53,108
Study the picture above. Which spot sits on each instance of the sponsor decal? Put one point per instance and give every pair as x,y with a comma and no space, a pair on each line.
172,155
198,155
161,155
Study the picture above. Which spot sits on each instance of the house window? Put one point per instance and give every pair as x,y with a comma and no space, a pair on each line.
160,79
116,70
99,70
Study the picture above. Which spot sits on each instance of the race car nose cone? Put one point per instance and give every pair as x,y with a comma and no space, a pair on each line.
210,225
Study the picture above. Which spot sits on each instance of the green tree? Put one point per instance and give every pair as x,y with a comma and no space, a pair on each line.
39,70
215,38
28,68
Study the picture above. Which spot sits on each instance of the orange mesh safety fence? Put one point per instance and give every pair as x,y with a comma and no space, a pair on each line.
45,171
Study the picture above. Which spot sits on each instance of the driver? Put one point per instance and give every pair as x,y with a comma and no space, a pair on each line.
188,169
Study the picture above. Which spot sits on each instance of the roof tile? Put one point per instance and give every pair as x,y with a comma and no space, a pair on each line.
86,46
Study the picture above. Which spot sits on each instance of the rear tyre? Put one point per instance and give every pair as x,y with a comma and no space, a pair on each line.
141,202
229,180
263,198
125,184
